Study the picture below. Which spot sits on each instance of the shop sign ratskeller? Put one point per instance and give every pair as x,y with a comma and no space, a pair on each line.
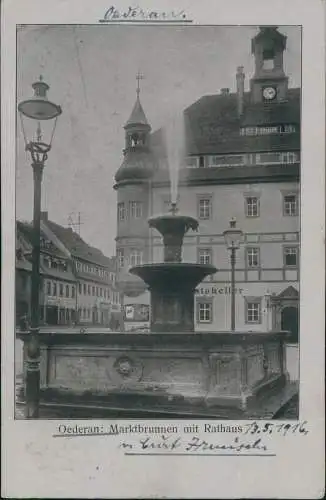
214,290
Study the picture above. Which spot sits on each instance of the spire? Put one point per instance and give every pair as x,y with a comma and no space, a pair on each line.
137,116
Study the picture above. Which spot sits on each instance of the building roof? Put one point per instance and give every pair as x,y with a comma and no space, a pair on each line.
78,247
269,36
139,163
26,229
212,124
137,116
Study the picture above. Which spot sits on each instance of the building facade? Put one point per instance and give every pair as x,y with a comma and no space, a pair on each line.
243,161
57,285
78,283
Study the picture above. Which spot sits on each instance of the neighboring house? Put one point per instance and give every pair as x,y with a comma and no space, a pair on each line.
57,284
243,161
97,300
78,283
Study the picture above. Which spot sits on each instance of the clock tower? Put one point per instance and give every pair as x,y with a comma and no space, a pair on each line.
269,83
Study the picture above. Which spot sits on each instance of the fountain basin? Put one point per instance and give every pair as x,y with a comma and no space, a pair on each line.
175,275
172,286
221,375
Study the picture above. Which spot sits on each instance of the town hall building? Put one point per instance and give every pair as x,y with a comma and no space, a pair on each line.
242,161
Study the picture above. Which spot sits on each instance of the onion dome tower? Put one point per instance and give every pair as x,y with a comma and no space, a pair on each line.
134,199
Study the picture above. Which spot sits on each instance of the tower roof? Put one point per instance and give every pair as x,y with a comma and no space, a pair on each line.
137,116
267,36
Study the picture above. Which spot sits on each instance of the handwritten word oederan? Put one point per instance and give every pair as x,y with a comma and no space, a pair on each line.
137,13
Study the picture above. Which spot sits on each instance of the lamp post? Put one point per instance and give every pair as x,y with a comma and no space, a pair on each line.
232,238
37,109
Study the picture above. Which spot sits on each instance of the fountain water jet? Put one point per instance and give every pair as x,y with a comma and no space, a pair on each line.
172,283
174,138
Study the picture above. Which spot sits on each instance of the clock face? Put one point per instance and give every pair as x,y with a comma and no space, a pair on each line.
269,93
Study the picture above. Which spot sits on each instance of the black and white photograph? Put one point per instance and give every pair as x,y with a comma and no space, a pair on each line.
163,249
157,222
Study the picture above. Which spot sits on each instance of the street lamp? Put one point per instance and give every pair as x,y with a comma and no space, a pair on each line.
232,238
33,111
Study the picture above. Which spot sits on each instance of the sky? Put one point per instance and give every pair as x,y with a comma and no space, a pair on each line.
91,71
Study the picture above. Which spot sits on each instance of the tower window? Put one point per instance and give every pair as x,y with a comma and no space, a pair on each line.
268,59
135,257
121,258
121,211
135,209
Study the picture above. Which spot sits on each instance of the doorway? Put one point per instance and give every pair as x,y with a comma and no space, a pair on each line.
290,322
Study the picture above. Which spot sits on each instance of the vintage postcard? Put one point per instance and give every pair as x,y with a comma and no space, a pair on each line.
163,209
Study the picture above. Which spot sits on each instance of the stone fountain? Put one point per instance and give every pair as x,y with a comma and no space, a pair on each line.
172,371
172,283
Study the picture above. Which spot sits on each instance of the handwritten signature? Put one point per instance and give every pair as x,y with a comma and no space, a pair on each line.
195,444
137,13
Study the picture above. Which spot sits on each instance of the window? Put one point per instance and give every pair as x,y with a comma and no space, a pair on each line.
93,290
121,211
289,157
252,206
89,289
290,205
253,311
61,290
205,256
290,256
269,158
268,59
204,208
67,290
79,288
252,257
135,209
72,291
135,257
54,290
84,288
48,288
121,258
204,312
228,160
192,162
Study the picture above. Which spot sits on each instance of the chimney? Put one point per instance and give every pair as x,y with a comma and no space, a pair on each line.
240,89
44,216
225,91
